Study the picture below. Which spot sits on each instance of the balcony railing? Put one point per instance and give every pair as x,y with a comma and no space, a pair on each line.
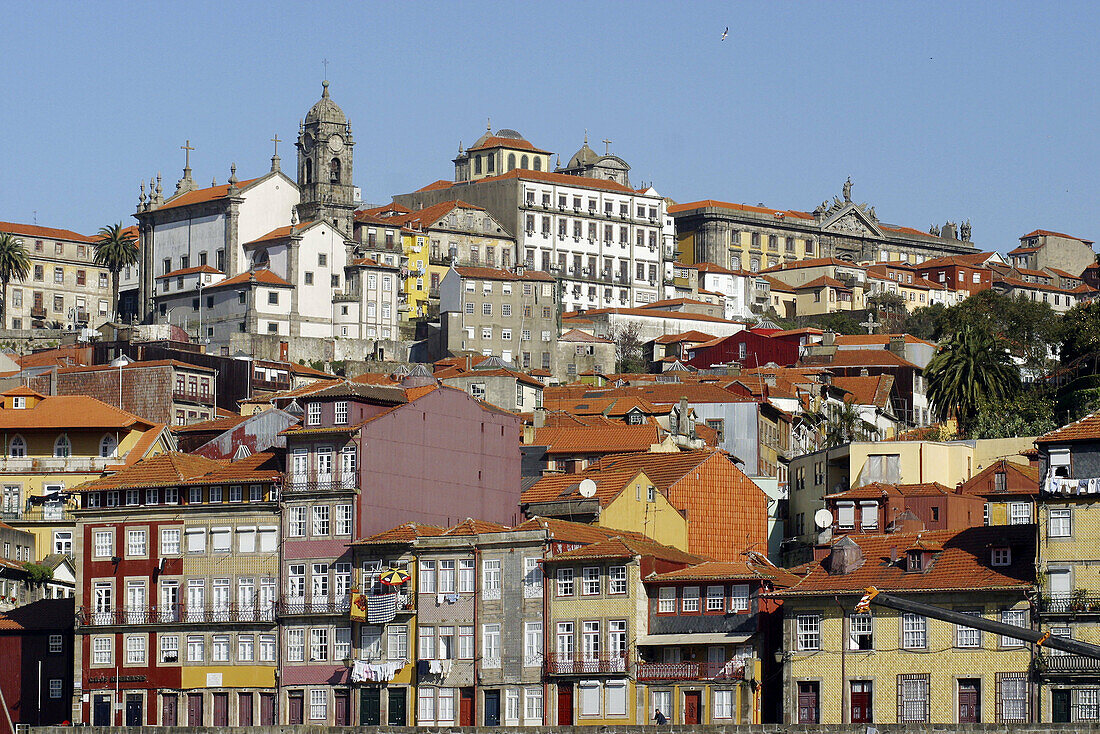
273,385
290,606
730,670
175,614
1074,604
1069,664
193,397
43,513
321,484
56,463
563,665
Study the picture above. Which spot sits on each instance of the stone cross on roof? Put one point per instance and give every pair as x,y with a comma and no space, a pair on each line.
870,323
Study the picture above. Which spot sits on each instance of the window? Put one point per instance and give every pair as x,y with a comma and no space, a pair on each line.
465,642
1019,513
590,581
690,600
426,579
219,648
221,539
477,390
616,580
490,579
318,697
101,651
914,631
615,695
104,544
55,643
169,648
135,543
1012,692
808,631
565,582
18,447
590,698
913,697
62,447
466,575
968,636
320,520
341,412
1016,618
295,645
245,648
1060,523
195,648
490,650
318,644
1001,556
860,636
716,598
666,600
313,414
590,639
296,524
739,598
398,642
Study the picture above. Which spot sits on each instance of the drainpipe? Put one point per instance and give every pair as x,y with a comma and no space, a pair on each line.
843,648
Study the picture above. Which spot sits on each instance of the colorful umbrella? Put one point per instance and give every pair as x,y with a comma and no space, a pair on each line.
394,577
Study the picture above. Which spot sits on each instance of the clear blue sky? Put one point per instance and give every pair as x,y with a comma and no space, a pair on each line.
936,110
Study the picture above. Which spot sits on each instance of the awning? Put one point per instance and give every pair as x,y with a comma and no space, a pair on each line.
692,638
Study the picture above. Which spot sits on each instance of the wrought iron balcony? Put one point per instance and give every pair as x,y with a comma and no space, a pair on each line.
175,614
36,464
39,513
592,665
1076,604
290,606
1053,665
730,670
193,397
297,484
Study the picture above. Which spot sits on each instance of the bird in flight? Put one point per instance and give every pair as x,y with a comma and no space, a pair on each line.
725,33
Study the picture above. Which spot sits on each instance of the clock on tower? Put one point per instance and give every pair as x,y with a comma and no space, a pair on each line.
324,165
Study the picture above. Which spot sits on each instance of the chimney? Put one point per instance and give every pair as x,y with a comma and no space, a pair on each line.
540,417
733,369
682,423
828,339
864,372
769,379
897,345
821,552
845,557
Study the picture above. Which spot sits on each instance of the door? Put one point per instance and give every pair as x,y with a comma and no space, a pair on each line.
267,709
370,707
168,713
693,707
492,708
1059,706
861,702
396,715
341,712
133,709
295,701
466,707
101,710
244,709
807,702
221,709
970,701
565,704
194,709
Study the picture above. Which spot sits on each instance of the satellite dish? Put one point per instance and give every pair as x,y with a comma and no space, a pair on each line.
587,488
823,518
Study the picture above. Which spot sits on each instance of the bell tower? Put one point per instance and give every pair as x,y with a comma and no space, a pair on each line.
324,165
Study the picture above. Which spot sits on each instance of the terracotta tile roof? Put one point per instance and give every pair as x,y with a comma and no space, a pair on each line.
515,143
138,451
808,331
1021,250
1048,233
752,568
576,335
212,193
582,182
861,358
190,271
667,393
676,302
1027,285
907,230
1064,274
621,546
823,281
875,490
23,391
776,284
970,260
64,356
406,532
33,230
964,564
1085,429
684,336
67,412
496,274
578,402
456,371
418,219
370,262
470,526
572,532
597,440
1020,479
280,233
878,339
260,277
555,487
437,185
179,469
873,390
713,204
663,469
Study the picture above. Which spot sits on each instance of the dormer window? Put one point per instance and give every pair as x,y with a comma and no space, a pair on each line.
19,403
915,560
313,414
1001,556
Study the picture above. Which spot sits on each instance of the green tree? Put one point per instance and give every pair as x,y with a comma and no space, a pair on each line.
1027,413
889,310
15,264
116,249
1081,337
629,349
970,369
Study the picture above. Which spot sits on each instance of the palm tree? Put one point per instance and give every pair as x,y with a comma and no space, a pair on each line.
116,249
973,367
14,265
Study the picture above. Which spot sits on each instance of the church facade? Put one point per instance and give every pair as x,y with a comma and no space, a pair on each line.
740,236
251,263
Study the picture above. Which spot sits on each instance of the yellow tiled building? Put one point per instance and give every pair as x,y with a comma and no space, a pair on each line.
884,666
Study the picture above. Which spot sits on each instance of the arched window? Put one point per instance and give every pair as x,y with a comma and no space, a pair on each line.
523,163
18,447
62,447
309,171
108,446
477,164
511,161
334,171
538,163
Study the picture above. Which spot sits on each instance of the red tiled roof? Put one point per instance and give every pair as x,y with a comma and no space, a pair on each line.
44,614
283,232
676,302
470,526
261,277
1048,233
437,185
822,282
1020,479
567,486
220,424
404,533
970,260
964,564
860,358
137,365
878,489
565,531
685,336
516,143
212,193
620,438
714,204
576,335
621,546
33,230
872,390
750,569
1085,429
879,339
66,412
776,284
177,469
560,178
190,271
